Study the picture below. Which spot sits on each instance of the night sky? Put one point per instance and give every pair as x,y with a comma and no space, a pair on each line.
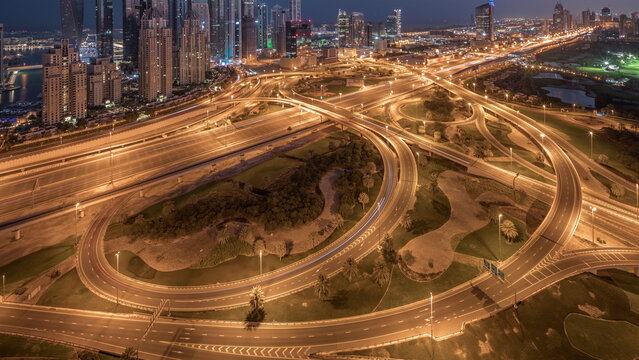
44,14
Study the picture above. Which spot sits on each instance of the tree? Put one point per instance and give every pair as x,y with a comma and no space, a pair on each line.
322,288
129,354
380,273
256,300
540,157
168,210
338,221
368,182
408,257
493,212
509,230
350,269
617,190
280,249
371,168
387,250
603,159
363,199
406,222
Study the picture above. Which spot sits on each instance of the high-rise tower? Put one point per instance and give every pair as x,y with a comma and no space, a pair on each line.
296,10
485,21
104,27
1,55
193,51
64,84
72,18
155,59
262,23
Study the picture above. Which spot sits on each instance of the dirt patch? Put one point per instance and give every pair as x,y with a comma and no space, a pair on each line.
592,310
433,251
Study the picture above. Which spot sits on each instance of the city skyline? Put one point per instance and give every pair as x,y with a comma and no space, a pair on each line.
47,15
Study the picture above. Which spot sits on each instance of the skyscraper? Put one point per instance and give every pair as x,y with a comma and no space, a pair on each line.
398,19
262,23
155,59
298,34
343,28
391,25
485,21
200,11
104,27
72,18
249,30
606,15
179,11
64,84
279,17
232,32
357,30
1,55
559,19
193,52
131,29
104,82
216,9
296,10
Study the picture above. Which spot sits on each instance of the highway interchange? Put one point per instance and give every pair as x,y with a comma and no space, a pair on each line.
116,172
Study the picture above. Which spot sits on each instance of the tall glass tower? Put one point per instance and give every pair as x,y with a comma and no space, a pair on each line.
104,27
72,18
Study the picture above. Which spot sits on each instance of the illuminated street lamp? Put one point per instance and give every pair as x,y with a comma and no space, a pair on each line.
117,269
260,262
511,159
542,138
499,234
544,114
77,205
591,142
592,220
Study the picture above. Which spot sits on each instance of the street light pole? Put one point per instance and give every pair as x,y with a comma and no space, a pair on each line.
260,262
3,287
76,218
511,159
544,114
117,269
499,235
592,220
591,140
431,319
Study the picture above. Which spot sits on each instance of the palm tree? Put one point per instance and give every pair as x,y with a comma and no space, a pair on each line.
617,190
129,354
363,199
509,230
256,300
350,269
338,221
380,274
322,289
368,182
406,222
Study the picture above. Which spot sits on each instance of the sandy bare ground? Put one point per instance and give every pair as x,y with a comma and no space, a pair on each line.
433,251
520,139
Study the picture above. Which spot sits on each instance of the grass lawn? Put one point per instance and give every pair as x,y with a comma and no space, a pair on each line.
69,292
477,186
603,339
500,131
271,108
416,110
261,175
535,330
581,140
404,291
35,263
629,69
20,347
336,89
431,209
628,198
484,243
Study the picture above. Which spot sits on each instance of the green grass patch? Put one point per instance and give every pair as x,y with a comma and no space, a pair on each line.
603,339
69,292
263,174
416,110
35,263
580,138
484,243
535,330
21,347
628,198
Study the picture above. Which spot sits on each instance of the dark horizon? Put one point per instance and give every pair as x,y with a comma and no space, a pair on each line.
416,13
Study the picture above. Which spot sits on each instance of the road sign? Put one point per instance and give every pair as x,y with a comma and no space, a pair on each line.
494,270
